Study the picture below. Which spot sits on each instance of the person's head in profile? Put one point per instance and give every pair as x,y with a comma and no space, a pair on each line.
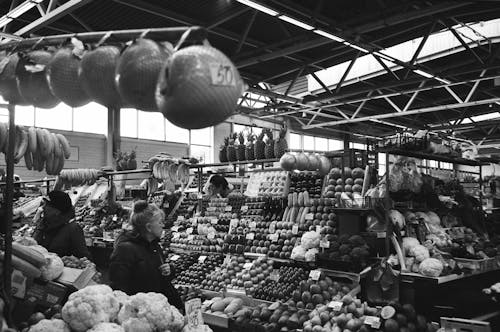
218,186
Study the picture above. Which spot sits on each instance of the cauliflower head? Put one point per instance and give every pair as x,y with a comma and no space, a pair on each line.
199,328
310,255
420,253
150,308
107,327
298,253
409,243
137,325
431,267
50,325
54,267
122,297
90,306
310,240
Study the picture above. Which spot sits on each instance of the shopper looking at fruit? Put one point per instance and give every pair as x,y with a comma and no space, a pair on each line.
55,231
217,186
137,262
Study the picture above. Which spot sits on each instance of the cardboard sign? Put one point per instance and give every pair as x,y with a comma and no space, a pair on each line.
274,237
250,236
214,221
201,259
315,275
175,257
324,244
295,229
244,208
335,305
309,216
193,312
247,266
372,321
252,225
228,208
180,218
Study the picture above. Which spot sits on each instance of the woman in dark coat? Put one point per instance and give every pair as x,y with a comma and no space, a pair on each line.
55,231
137,262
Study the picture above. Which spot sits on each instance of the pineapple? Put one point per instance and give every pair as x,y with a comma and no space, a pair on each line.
259,146
249,151
269,149
280,145
240,152
223,150
231,148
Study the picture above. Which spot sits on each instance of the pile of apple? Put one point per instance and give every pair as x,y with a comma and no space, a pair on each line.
196,274
197,242
311,182
282,284
349,181
310,293
182,262
216,206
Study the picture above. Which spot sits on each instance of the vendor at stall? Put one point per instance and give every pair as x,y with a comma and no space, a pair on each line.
55,231
217,186
137,262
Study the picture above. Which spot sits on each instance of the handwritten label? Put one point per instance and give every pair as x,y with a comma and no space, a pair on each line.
228,208
233,223
180,218
315,275
324,244
247,266
214,221
193,312
227,260
201,259
309,216
176,235
222,74
250,236
272,228
274,237
318,229
244,208
175,257
335,305
252,225
189,230
295,229
372,321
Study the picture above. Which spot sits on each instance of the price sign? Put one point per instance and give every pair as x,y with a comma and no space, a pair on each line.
176,235
372,321
252,225
194,221
227,260
318,229
295,229
189,230
244,208
228,208
190,237
380,235
275,276
214,221
309,216
180,218
250,236
175,229
193,312
315,275
175,257
335,305
274,237
211,236
247,266
201,259
222,74
234,223
324,244
272,228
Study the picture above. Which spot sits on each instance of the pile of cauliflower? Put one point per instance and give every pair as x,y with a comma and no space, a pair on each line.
308,248
418,259
100,309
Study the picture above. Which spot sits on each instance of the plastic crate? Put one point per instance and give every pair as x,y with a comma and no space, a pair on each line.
479,265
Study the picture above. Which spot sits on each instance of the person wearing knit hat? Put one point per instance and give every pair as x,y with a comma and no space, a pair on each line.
55,231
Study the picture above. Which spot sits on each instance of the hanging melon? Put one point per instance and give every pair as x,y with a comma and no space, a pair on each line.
138,70
32,79
198,87
8,81
64,75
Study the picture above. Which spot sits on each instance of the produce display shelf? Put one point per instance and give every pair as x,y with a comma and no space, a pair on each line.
443,279
259,161
215,320
430,156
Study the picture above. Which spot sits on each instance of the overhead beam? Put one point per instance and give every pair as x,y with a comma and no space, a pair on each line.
229,17
52,16
411,112
245,33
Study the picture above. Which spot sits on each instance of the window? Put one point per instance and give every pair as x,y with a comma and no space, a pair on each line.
335,144
128,122
446,165
91,118
358,146
25,115
295,141
151,125
308,142
175,134
59,117
202,136
433,163
237,128
202,153
381,164
202,141
320,144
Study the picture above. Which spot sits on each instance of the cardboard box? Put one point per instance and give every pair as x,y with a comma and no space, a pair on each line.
77,278
464,325
46,294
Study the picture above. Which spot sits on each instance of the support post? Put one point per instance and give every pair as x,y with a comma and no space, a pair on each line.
113,140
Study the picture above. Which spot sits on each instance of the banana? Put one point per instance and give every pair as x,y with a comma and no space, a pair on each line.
50,144
59,165
32,139
28,160
58,151
49,168
21,143
41,141
64,145
41,161
4,136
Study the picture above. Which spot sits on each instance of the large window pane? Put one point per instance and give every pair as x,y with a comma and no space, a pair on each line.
202,153
176,134
358,146
151,126
128,122
308,142
295,141
335,144
25,115
237,128
202,136
91,118
321,144
59,117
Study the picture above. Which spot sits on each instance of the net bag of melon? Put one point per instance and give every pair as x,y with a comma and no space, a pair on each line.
198,86
32,80
63,72
8,80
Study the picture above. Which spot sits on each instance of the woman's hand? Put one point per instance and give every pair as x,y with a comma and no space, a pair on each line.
165,269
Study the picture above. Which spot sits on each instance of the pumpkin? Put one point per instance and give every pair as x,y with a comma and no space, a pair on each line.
358,173
313,162
335,173
287,162
324,165
347,172
302,161
198,87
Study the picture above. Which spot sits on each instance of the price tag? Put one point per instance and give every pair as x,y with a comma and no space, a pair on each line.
222,74
211,236
234,222
250,236
335,305
315,275
201,259
275,276
176,235
193,312
190,237
189,230
272,228
380,235
309,216
115,218
194,221
372,321
180,218
252,225
228,208
175,228
227,260
247,266
295,229
318,229
244,208
175,257
324,244
214,221
274,237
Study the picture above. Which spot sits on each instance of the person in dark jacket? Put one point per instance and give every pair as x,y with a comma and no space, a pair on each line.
55,232
137,262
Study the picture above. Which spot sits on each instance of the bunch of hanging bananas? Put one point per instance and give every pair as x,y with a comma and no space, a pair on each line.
39,147
169,169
